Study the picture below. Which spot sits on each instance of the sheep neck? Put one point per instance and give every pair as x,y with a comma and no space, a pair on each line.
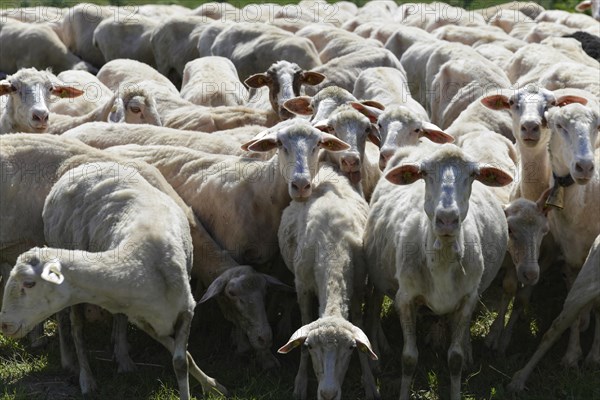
534,169
62,123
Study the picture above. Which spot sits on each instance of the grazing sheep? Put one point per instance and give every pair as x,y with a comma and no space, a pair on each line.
321,243
283,80
89,208
126,38
35,45
424,248
585,292
212,81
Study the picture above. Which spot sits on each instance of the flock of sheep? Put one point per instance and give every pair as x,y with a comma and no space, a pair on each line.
415,151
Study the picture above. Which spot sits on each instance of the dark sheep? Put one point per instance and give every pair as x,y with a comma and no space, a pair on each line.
589,42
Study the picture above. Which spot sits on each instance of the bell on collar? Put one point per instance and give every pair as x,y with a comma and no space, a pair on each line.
556,197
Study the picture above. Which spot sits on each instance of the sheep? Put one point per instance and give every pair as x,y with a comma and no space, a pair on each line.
529,8
543,30
116,72
78,26
35,45
252,239
207,34
102,135
129,38
477,117
321,243
572,20
584,292
160,259
572,48
254,47
432,16
174,43
573,156
214,10
342,71
29,91
135,105
529,62
562,76
212,81
589,43
418,243
95,92
283,80
527,226
322,104
413,58
593,5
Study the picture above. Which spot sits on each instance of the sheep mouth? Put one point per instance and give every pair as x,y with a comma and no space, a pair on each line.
15,334
39,128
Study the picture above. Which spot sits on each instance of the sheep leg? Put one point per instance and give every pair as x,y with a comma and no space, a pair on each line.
521,300
301,382
65,339
379,341
593,357
121,346
410,353
569,314
574,352
369,383
509,286
460,335
86,379
177,346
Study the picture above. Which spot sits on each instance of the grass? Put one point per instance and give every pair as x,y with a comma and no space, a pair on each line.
36,374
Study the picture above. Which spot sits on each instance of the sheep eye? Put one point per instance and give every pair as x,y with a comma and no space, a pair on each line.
28,285
379,126
511,103
417,130
136,110
308,346
510,232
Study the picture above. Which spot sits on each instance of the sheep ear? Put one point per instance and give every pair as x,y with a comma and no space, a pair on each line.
362,343
404,174
258,80
51,272
374,136
264,144
370,112
331,143
491,176
496,102
296,340
311,78
435,134
541,202
373,104
569,99
117,113
6,88
272,281
66,91
215,288
584,5
323,126
299,105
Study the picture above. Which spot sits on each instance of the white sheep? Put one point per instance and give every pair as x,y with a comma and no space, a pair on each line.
438,243
585,292
135,105
212,81
94,93
157,255
35,45
321,243
573,159
220,188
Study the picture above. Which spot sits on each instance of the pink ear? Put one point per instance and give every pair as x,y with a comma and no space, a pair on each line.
496,102
323,126
66,92
262,145
404,174
258,80
374,136
491,176
372,113
331,143
312,78
299,105
291,345
373,103
584,5
565,100
541,202
6,87
435,134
